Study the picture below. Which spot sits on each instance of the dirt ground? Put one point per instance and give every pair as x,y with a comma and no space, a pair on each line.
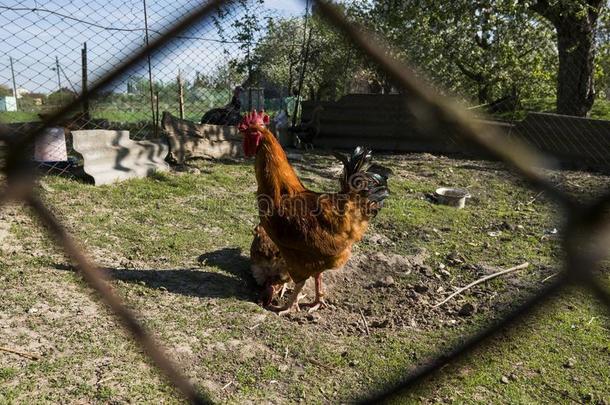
174,247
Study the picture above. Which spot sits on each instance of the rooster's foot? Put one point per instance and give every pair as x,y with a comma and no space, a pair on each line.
293,302
314,306
284,310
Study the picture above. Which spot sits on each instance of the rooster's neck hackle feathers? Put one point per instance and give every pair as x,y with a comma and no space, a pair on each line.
274,174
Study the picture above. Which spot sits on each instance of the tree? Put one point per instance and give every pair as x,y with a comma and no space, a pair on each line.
278,54
280,57
61,96
480,50
245,28
5,91
575,22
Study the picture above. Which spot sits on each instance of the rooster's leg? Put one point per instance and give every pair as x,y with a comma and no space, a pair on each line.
319,302
293,301
283,290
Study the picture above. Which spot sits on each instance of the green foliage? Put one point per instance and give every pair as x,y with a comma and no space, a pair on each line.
5,91
281,54
61,96
480,50
244,31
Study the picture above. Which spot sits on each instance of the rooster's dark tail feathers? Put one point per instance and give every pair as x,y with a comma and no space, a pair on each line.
371,182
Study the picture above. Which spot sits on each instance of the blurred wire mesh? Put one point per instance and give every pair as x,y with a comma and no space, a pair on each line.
53,53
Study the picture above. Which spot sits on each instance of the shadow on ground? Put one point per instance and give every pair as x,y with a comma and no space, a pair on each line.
196,282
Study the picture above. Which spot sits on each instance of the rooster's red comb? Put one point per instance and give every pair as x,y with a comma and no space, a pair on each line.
253,118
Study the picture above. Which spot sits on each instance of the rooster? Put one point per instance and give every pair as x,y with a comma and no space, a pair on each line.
313,232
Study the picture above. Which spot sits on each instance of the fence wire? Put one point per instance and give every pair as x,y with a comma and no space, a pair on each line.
587,232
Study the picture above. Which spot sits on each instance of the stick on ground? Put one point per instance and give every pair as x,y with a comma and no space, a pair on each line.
20,353
366,325
479,281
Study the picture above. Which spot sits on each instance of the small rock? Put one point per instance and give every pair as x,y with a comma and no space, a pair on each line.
314,317
570,363
427,271
32,310
455,258
507,226
504,379
466,310
387,281
420,288
445,273
379,239
46,187
353,363
193,170
380,324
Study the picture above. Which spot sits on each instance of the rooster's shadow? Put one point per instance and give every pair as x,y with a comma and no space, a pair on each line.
195,282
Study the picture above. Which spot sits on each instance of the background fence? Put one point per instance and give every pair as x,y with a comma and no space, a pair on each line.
50,51
586,236
502,60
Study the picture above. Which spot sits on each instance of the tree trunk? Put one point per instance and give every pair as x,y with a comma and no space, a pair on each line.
483,94
575,87
575,24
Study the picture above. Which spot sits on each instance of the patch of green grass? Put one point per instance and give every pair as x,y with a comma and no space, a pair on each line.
6,373
600,109
538,358
8,117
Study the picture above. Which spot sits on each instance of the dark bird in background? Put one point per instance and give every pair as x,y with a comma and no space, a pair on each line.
307,132
227,115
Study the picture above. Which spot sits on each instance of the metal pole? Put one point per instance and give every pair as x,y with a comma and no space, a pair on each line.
150,78
84,81
180,95
63,72
14,83
58,76
250,81
306,43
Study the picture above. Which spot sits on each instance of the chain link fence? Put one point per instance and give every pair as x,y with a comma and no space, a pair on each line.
133,67
53,52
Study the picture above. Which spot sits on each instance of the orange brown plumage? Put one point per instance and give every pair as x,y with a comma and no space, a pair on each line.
313,232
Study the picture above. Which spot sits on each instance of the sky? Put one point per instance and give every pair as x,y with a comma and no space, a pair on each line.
34,38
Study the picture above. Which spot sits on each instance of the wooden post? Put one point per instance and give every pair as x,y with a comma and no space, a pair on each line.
180,95
150,77
58,76
84,81
157,114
